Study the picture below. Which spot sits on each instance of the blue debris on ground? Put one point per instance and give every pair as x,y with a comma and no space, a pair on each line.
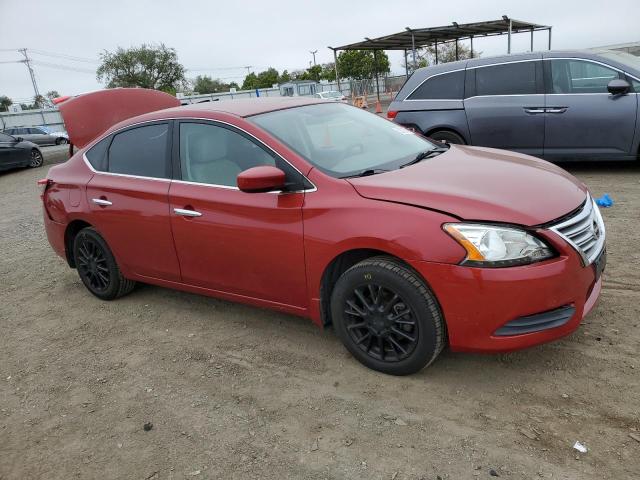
604,201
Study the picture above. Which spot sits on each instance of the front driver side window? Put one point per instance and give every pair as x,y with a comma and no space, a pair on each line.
215,155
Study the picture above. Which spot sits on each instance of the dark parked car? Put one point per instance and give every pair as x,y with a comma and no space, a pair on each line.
16,152
555,105
39,135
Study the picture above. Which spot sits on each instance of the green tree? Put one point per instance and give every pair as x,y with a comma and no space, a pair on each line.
328,72
268,78
284,77
51,94
359,64
206,84
446,53
5,102
147,66
39,102
250,82
315,72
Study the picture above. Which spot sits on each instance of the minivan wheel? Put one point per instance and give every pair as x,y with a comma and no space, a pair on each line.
387,317
97,266
447,136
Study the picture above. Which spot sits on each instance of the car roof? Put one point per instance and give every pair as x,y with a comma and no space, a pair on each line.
244,107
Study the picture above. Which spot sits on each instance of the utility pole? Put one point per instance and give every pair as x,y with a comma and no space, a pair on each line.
248,67
27,62
313,52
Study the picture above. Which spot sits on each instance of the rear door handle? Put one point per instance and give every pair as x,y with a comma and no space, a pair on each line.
101,201
533,110
556,110
186,213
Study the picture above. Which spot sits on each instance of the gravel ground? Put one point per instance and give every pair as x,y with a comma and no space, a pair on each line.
236,392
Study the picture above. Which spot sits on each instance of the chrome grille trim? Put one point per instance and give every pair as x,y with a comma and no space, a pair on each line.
584,231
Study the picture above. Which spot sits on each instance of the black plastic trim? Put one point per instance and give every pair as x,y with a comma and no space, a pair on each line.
538,322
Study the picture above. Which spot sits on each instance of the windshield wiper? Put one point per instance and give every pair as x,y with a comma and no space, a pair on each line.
366,173
426,154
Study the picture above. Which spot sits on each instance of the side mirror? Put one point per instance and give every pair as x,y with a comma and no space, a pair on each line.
617,86
261,179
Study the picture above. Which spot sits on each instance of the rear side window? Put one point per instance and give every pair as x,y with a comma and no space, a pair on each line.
141,151
507,79
578,76
97,155
446,86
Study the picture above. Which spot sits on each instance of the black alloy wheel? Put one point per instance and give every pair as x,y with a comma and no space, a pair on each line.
36,159
387,317
380,322
97,266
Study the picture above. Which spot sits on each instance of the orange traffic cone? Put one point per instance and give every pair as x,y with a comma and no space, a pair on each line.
378,106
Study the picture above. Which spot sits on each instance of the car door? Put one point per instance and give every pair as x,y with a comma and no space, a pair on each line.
128,199
504,105
247,244
37,136
583,120
10,155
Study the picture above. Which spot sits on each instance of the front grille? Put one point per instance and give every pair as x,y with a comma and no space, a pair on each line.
538,322
584,231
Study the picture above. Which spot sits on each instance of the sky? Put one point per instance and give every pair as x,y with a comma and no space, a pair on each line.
66,37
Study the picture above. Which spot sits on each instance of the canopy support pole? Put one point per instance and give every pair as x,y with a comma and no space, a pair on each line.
532,39
413,49
436,52
549,38
375,67
406,66
509,36
471,38
335,65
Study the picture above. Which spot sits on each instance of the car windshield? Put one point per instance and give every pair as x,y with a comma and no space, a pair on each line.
342,140
332,94
44,129
622,57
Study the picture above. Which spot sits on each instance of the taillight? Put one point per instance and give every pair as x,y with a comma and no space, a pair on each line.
44,184
391,114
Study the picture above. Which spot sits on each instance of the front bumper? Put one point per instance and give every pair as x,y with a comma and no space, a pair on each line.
478,302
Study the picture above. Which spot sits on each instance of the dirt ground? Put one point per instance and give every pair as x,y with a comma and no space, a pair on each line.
236,392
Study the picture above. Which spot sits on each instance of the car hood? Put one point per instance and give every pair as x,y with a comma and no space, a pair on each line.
485,184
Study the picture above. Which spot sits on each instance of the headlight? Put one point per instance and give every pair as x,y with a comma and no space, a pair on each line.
493,246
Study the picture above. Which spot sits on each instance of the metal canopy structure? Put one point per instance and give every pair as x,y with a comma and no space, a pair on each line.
413,38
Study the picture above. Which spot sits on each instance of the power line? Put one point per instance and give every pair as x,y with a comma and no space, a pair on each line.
62,67
65,56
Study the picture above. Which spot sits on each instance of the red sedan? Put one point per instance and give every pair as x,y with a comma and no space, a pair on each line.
329,212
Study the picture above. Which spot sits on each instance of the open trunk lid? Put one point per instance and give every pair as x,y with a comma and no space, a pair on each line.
91,114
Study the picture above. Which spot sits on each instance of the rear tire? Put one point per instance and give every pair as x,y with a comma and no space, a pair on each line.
387,317
97,266
61,141
448,137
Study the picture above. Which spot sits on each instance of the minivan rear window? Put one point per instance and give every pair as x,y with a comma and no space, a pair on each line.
518,78
445,86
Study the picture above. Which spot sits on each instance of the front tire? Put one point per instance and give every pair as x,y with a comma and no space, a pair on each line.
387,317
97,266
36,159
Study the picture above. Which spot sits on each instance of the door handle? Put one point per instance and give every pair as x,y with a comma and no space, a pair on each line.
186,213
534,110
556,110
101,201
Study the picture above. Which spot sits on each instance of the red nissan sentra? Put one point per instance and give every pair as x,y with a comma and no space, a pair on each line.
329,212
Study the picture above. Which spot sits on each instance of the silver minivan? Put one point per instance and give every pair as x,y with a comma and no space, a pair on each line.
571,105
